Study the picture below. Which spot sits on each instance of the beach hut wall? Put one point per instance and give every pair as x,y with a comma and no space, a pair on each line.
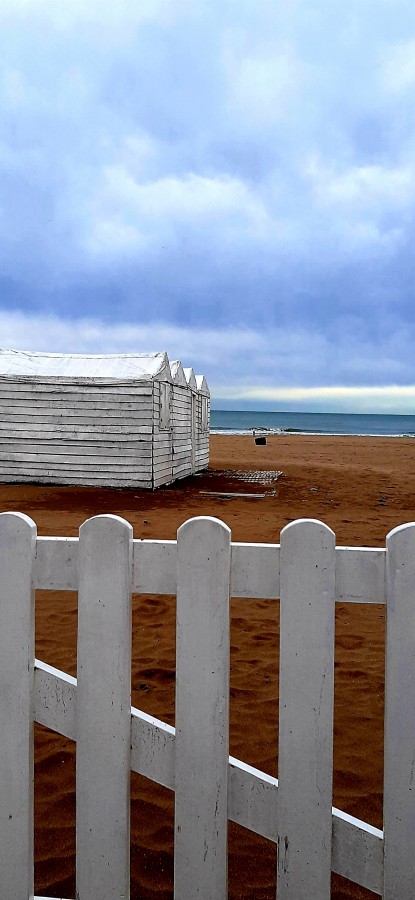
202,424
191,421
183,438
120,420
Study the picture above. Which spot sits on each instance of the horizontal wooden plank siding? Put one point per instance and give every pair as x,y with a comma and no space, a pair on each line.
67,403
100,431
112,481
88,481
78,433
161,451
102,467
55,452
162,476
118,419
59,384
105,428
181,472
128,391
100,396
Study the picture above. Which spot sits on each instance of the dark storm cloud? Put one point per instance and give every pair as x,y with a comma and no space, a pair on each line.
243,168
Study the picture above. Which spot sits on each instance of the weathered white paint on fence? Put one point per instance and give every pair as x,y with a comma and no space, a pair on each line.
399,772
360,574
152,748
357,850
196,762
103,710
253,799
56,564
55,695
255,569
17,550
155,564
305,755
202,710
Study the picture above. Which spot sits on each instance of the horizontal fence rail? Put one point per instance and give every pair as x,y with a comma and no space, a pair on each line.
203,568
255,569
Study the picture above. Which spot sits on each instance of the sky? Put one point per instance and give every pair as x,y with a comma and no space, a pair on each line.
232,181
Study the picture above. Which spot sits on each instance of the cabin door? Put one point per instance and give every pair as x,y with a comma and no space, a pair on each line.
194,431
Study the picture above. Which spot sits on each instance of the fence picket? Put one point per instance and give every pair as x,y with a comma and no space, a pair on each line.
103,715
399,770
17,552
202,710
307,586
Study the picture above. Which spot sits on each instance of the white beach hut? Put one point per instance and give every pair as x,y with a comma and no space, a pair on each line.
126,420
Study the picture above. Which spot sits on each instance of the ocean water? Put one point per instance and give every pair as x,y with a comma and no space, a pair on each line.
242,422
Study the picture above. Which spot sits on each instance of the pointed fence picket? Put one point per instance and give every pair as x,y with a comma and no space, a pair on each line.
202,710
305,755
103,711
399,786
17,552
308,573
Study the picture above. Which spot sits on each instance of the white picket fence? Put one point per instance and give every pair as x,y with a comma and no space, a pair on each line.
308,573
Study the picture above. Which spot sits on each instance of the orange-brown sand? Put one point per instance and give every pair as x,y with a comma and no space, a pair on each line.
361,487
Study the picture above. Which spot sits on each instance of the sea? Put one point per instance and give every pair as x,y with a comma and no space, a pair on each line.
243,422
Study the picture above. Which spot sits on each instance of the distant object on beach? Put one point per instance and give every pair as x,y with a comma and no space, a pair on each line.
260,438
119,420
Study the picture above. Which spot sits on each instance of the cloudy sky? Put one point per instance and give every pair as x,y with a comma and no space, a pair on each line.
232,181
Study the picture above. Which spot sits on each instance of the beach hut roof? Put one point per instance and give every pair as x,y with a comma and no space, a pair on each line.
190,378
178,373
119,366
202,384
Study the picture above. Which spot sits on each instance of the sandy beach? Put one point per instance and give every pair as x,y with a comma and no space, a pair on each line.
362,488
